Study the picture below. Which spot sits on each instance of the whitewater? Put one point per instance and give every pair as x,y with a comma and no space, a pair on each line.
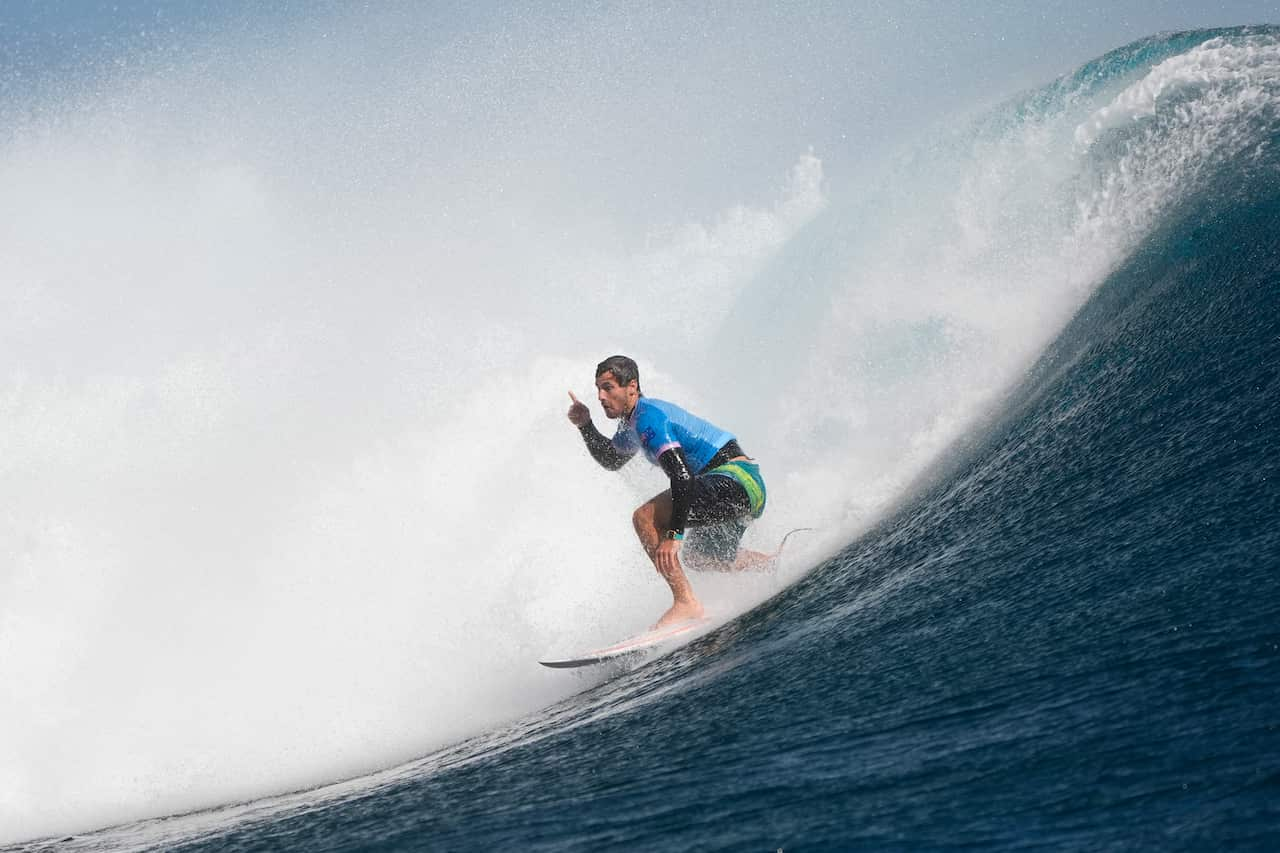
287,322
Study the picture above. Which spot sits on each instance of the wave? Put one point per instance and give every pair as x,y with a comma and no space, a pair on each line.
877,328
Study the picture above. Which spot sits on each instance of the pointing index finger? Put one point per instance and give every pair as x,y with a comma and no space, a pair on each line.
573,398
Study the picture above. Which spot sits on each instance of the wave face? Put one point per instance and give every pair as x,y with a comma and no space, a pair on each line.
1052,625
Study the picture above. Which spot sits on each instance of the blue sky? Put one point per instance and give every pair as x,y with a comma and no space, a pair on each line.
43,34
37,36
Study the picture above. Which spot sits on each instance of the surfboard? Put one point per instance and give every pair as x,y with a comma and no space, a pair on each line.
630,646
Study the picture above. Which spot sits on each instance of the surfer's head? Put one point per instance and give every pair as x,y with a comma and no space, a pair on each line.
617,385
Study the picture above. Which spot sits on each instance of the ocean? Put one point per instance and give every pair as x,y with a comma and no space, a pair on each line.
1025,386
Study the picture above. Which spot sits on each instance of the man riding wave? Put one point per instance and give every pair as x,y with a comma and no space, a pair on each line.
716,489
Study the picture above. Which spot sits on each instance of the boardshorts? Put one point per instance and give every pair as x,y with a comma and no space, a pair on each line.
723,501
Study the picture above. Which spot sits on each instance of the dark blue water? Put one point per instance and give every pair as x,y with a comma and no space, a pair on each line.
1072,643
1068,638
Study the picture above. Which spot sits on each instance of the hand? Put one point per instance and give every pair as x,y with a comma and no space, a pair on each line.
667,557
579,414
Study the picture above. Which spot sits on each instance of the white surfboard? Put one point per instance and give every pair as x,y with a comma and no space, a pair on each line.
633,645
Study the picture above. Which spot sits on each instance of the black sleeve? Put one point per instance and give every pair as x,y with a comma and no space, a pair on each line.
602,449
677,468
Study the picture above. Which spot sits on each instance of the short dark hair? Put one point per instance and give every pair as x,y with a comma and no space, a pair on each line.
623,369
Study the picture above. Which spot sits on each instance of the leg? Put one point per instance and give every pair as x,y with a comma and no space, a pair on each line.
650,522
757,561
714,547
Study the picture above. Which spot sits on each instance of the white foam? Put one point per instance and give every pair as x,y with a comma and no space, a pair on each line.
1245,70
287,502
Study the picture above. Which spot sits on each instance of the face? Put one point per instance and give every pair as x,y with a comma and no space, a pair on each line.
616,400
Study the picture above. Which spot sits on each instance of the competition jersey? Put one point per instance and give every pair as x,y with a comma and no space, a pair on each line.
655,426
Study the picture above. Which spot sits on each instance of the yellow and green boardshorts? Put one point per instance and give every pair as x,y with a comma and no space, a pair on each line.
746,475
723,501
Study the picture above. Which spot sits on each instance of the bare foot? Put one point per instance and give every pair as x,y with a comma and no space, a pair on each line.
681,611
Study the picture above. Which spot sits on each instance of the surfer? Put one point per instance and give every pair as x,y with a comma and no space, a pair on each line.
716,489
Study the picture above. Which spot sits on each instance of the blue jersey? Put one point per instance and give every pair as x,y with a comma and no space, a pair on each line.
655,426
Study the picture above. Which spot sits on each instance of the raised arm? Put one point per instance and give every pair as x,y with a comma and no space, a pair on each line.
602,449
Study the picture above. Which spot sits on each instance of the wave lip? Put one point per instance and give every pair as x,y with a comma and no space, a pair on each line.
1230,80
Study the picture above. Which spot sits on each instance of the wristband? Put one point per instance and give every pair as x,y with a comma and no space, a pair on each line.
676,535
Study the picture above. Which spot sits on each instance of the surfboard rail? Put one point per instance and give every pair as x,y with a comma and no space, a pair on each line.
629,646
